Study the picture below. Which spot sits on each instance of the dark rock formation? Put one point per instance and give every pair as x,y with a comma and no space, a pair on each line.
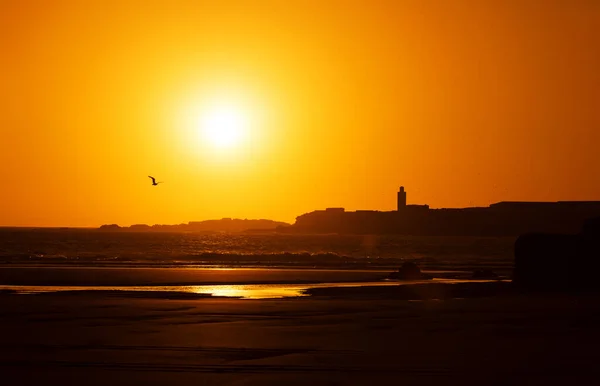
545,261
409,271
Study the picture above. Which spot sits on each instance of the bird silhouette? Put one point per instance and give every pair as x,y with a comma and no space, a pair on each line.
154,183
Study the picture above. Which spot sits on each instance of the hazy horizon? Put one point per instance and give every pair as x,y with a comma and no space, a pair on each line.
271,109
137,223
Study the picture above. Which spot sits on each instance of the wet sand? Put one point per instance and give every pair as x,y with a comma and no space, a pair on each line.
329,339
102,276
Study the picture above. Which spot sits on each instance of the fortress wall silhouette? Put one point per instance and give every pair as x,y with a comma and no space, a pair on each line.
499,219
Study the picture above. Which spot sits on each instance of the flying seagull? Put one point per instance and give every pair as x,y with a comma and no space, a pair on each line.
154,183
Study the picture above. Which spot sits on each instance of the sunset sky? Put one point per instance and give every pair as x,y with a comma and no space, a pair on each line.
329,103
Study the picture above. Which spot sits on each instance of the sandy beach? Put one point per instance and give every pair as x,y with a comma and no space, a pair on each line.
58,339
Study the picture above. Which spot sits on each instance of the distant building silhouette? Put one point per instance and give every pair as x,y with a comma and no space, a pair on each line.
499,219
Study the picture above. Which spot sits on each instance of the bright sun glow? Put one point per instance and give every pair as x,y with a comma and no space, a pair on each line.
224,127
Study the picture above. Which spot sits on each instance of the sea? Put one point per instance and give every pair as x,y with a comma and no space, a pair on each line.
246,265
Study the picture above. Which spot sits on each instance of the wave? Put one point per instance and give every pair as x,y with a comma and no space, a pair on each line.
237,260
87,247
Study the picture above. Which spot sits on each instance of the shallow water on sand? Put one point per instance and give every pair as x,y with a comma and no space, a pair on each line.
245,291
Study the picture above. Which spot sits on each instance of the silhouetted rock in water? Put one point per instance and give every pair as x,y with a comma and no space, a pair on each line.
409,271
484,274
546,261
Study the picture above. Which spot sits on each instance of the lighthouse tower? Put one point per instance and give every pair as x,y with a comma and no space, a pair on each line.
401,199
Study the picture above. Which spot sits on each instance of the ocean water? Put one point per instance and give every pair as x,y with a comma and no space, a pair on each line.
91,247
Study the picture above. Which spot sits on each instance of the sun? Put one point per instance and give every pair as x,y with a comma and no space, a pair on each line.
224,127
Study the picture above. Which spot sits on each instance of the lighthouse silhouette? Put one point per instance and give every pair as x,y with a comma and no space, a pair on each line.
401,199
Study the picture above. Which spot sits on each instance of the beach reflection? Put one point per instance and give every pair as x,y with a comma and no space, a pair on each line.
254,291
246,291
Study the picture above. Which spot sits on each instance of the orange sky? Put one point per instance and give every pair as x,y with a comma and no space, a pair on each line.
463,102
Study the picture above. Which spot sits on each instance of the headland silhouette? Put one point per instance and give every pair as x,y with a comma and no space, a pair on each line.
221,225
506,218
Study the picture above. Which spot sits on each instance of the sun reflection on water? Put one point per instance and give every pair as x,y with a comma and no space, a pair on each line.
253,291
247,291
